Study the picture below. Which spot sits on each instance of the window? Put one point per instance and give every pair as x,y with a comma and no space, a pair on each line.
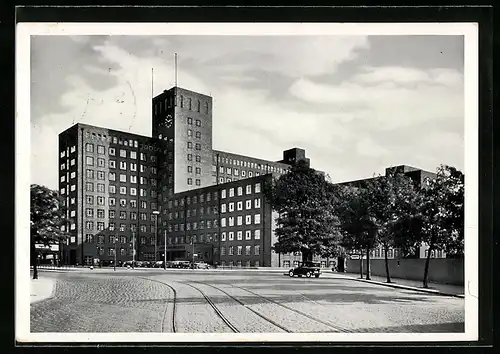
257,187
231,192
123,190
100,175
231,250
236,173
111,226
63,166
100,200
198,182
190,145
223,252
89,225
89,147
123,165
190,157
238,250
143,156
189,120
231,236
256,251
243,173
89,212
231,207
100,149
198,123
247,250
133,155
112,214
240,220
133,191
198,135
90,161
189,132
240,191
248,235
100,187
198,158
249,189
257,203
248,219
72,162
189,181
112,176
239,235
197,146
89,174
228,170
123,153
223,222
239,206
198,170
112,164
256,234
89,186
89,238
231,221
63,191
257,219
112,189
248,204
223,194
112,151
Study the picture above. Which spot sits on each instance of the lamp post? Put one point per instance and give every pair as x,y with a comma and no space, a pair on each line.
192,242
133,250
165,251
156,213
114,262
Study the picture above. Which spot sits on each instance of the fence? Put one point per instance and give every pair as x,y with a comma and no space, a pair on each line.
441,270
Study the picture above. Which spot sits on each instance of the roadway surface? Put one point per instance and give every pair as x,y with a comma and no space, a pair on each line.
233,301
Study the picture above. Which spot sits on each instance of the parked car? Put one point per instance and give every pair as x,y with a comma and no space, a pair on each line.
157,264
307,269
199,265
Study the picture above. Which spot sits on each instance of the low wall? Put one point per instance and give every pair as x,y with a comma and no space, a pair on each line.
441,270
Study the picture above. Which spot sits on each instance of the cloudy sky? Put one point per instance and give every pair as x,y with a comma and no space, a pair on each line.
357,104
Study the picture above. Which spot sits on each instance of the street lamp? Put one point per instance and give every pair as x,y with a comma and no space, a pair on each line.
133,250
156,213
114,262
165,250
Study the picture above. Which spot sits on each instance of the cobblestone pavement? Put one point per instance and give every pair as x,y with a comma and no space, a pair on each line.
229,302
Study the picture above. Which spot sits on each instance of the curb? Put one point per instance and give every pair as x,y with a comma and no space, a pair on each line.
405,287
52,293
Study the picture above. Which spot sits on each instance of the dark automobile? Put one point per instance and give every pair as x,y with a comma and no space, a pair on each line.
306,268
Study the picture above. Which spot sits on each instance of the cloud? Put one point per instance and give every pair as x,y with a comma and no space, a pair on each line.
266,99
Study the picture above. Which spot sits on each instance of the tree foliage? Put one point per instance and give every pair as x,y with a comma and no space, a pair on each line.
307,222
441,214
47,216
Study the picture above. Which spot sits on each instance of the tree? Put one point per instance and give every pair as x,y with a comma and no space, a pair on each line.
441,214
47,218
356,221
393,200
306,222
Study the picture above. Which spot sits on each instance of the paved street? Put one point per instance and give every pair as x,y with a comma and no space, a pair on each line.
232,301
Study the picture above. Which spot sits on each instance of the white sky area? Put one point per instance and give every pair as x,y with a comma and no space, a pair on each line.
356,104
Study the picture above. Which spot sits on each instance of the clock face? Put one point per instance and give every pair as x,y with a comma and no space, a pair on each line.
168,121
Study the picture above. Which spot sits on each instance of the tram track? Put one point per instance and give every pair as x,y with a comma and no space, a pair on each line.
174,306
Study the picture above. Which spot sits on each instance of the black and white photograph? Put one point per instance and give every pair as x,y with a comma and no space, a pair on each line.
246,182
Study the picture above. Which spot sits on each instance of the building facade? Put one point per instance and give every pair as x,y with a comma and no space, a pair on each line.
133,197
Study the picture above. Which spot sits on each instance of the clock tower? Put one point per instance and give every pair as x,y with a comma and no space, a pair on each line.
184,118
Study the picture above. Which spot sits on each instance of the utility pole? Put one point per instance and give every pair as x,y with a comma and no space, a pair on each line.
192,242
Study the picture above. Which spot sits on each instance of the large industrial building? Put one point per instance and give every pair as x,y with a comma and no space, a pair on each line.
138,195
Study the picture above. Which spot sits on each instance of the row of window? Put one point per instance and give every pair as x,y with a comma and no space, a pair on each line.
101,162
239,235
240,264
197,170
122,202
71,150
100,226
197,134
234,171
197,146
187,102
197,181
239,220
100,188
239,191
99,213
193,212
195,225
190,157
201,238
249,164
239,250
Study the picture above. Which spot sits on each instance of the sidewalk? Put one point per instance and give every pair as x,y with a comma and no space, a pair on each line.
41,288
416,285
